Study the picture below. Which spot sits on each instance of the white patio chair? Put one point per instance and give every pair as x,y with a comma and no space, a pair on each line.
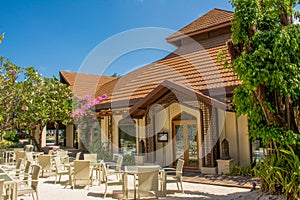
82,173
60,169
33,186
108,181
174,175
148,180
45,161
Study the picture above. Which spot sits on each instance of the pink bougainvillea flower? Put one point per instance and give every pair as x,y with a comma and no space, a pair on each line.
104,96
88,96
86,106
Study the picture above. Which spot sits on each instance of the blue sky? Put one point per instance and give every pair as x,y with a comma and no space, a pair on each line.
54,35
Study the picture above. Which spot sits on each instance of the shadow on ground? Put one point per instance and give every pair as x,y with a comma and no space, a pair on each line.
174,194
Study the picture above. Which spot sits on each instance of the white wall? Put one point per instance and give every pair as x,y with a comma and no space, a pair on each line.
236,133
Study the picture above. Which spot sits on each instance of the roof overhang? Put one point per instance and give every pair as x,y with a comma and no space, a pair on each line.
175,38
139,109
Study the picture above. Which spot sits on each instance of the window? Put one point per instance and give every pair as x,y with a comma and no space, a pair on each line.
127,136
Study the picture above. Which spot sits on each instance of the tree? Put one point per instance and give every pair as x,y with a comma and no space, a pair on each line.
28,100
50,102
116,75
1,37
265,55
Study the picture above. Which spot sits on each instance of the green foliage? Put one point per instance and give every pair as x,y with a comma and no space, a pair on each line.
269,67
265,52
280,173
240,170
128,160
11,136
28,100
4,144
1,37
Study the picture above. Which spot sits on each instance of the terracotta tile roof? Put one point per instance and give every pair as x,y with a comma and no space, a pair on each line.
211,20
192,65
83,84
166,86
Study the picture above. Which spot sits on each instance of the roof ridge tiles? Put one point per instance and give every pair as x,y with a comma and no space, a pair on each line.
209,19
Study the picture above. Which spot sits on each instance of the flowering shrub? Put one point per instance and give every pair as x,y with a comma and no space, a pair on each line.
84,106
88,125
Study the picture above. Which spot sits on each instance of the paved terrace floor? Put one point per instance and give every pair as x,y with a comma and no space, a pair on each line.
193,190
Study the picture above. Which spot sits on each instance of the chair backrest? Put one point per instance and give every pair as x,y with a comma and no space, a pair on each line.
18,149
104,172
27,169
2,156
36,169
1,188
115,157
28,148
64,158
148,178
18,167
20,154
45,162
62,153
58,165
82,169
119,163
19,162
29,156
77,155
179,167
91,157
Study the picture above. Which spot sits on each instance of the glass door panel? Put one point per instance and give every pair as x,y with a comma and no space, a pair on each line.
192,152
179,141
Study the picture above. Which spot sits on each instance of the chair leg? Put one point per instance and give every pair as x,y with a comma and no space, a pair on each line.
105,191
181,186
177,185
37,197
59,178
55,179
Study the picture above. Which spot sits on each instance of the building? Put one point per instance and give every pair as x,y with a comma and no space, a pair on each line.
178,106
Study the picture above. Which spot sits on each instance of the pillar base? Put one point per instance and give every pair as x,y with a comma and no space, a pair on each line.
209,170
224,166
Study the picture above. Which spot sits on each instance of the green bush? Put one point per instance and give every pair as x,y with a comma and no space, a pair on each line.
4,144
128,160
11,136
241,170
280,173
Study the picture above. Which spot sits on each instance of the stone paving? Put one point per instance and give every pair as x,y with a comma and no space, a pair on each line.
59,191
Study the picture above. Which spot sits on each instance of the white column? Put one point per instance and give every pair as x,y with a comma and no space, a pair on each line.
69,136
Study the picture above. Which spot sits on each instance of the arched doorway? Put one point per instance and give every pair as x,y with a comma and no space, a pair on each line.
185,139
127,136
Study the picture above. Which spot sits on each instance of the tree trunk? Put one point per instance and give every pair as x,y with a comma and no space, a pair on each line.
56,134
35,142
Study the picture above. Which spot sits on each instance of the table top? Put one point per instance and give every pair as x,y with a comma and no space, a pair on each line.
6,177
134,168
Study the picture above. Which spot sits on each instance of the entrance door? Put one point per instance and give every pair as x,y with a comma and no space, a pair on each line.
186,142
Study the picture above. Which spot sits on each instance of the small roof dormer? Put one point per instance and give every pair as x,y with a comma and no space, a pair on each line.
211,21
